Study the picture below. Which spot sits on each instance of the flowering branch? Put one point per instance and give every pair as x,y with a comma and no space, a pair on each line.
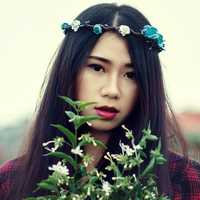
93,185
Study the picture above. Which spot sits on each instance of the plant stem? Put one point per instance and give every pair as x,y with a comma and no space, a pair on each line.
76,135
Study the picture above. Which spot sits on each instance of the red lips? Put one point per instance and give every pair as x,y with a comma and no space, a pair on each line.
106,112
107,108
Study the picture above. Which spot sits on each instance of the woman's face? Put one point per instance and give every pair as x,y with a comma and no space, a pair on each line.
108,78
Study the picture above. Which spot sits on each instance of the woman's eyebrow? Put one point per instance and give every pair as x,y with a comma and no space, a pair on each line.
105,60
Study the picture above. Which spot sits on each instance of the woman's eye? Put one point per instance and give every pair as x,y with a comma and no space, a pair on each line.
96,67
130,75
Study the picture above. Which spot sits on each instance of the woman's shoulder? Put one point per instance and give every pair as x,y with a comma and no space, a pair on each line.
179,164
7,172
185,176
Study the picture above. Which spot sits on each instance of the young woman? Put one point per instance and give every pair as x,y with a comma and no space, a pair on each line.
109,55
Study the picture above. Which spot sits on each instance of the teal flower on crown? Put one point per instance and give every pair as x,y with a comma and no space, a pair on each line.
152,33
65,26
149,31
160,41
97,29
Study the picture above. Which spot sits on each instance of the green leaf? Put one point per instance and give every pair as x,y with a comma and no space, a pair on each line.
146,132
116,170
77,105
160,160
83,104
47,186
71,115
63,156
70,136
152,137
149,167
52,180
98,142
83,143
79,120
91,117
101,144
47,197
69,101
93,179
87,118
159,145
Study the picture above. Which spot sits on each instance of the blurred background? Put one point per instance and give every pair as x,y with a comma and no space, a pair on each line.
30,34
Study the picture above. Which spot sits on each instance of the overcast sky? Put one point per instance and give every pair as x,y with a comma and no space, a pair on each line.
30,33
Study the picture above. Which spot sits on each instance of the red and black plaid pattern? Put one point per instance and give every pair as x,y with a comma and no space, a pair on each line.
185,178
184,174
7,172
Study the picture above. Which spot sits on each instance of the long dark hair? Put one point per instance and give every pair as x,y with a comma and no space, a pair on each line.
151,106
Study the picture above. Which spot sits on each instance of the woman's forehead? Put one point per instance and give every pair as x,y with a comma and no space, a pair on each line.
111,47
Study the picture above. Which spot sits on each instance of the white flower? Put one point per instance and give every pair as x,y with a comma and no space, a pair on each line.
128,133
89,124
75,25
126,149
130,187
124,30
77,151
134,176
90,189
62,169
95,172
119,157
60,182
108,156
76,196
106,188
47,143
88,138
53,149
135,147
87,159
58,142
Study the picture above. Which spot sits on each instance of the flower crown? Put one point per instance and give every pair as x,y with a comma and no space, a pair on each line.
149,33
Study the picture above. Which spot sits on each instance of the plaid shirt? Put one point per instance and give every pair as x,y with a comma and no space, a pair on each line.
185,177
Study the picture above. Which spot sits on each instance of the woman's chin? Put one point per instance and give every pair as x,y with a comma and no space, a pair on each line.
102,125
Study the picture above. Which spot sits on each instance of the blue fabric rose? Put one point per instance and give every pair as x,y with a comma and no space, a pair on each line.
65,26
149,32
160,41
97,29
152,33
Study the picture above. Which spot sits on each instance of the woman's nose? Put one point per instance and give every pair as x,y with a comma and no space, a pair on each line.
111,88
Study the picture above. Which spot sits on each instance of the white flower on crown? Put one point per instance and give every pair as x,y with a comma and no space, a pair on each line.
75,25
124,30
